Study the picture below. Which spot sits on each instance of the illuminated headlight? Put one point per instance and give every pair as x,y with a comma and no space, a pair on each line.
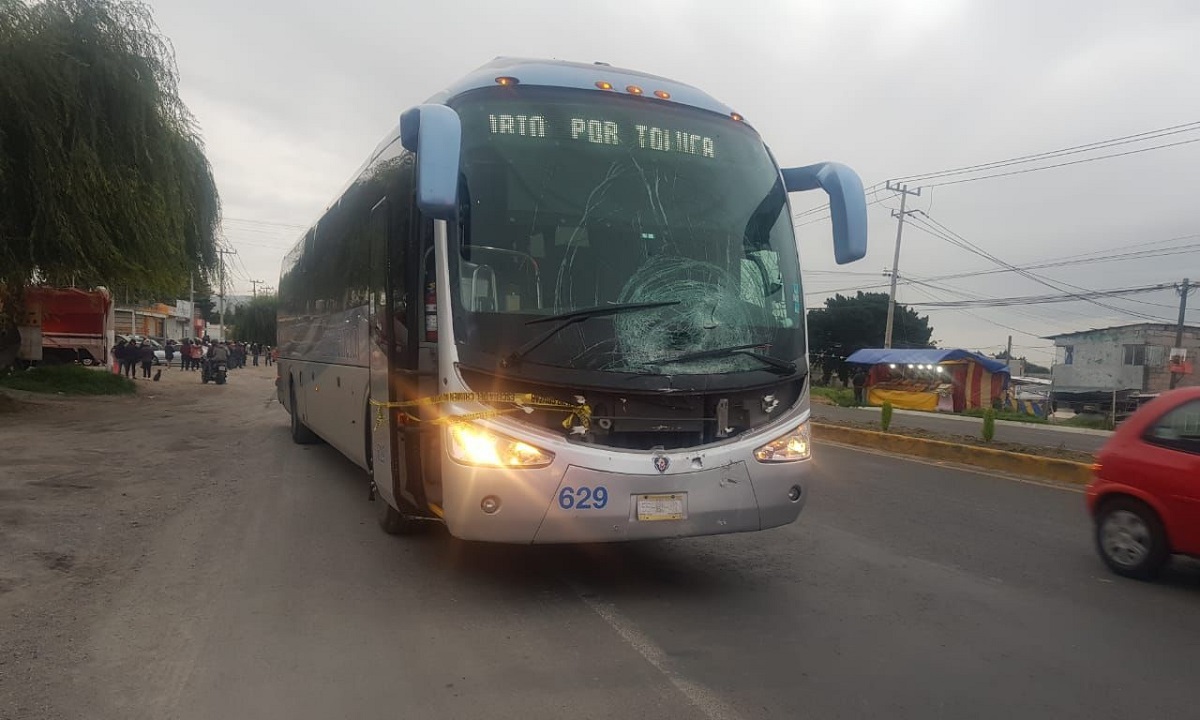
796,445
472,445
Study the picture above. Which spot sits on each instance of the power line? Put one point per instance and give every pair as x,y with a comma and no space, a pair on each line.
945,233
271,223
1042,299
1064,164
980,317
1050,154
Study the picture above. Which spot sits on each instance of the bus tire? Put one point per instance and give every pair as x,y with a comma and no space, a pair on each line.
394,522
301,435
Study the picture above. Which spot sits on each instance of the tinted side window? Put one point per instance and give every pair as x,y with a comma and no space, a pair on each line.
1179,429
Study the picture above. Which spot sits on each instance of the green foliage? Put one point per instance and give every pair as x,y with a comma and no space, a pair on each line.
68,380
255,321
847,324
1006,415
885,415
103,177
989,425
842,397
1092,422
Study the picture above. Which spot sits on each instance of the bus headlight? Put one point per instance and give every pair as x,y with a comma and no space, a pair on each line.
796,445
472,445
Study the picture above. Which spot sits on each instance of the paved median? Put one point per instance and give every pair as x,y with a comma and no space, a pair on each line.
1005,461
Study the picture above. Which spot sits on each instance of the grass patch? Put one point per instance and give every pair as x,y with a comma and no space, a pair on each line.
1006,415
1093,422
842,397
68,380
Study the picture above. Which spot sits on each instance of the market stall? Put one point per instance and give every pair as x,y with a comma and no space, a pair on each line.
932,379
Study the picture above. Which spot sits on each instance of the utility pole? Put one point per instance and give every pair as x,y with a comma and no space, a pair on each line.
223,253
1008,355
254,286
191,304
891,314
1184,288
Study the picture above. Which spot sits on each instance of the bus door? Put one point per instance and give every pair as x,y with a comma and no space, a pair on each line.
392,361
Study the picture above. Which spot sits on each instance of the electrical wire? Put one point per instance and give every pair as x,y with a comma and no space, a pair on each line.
1064,164
948,235
1061,152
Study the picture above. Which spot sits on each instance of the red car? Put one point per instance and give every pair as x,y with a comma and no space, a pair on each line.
1145,495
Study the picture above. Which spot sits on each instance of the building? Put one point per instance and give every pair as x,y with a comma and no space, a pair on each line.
1127,360
159,320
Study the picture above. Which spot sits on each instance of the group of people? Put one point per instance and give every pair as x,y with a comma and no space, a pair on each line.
129,354
193,352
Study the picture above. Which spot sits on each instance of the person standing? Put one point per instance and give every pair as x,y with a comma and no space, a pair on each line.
859,381
197,353
169,353
129,360
118,357
267,355
146,356
255,351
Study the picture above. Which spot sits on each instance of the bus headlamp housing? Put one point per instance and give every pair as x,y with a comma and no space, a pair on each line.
473,445
795,445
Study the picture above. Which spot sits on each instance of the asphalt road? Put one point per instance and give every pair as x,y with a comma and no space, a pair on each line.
906,590
1023,433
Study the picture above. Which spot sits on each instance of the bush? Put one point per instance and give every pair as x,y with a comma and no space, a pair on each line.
842,397
885,417
68,380
989,425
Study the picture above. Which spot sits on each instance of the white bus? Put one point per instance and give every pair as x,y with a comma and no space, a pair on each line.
561,303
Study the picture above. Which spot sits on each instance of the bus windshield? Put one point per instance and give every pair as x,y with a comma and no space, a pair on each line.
577,200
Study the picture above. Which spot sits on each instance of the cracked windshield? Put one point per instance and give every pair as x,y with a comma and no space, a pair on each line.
684,360
575,202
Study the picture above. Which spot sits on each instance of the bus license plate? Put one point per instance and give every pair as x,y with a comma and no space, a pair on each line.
671,506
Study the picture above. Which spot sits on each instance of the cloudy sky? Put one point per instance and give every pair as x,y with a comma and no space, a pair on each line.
291,98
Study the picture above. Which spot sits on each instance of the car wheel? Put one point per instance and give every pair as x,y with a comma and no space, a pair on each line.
301,435
1131,539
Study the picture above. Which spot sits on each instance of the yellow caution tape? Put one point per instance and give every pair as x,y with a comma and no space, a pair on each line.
580,415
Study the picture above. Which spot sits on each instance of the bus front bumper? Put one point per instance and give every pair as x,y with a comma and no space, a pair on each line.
736,497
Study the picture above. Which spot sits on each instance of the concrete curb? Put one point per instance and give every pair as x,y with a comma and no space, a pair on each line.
1048,426
1015,463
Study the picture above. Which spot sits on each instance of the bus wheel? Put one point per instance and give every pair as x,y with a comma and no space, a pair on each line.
395,522
301,435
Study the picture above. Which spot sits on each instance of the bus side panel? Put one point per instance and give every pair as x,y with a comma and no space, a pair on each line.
333,404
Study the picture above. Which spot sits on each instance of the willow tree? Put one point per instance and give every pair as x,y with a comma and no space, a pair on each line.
103,176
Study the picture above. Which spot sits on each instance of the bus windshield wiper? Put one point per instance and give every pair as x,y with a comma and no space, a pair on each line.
783,367
568,319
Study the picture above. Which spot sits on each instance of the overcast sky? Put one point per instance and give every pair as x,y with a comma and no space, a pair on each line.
292,97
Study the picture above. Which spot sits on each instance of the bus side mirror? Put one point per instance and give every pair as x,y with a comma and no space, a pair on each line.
434,133
847,204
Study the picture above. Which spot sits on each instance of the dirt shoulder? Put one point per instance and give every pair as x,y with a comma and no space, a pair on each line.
83,481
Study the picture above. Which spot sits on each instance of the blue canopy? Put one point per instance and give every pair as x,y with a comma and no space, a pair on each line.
922,356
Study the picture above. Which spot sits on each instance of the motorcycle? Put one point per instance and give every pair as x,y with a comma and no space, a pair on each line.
214,370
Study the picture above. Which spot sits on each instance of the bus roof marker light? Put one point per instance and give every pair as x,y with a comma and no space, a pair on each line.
662,94
506,81
633,90
604,85
737,116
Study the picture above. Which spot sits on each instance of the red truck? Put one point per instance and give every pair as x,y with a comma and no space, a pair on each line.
67,325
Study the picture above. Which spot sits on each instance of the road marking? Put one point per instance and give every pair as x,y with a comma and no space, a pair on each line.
706,701
961,468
